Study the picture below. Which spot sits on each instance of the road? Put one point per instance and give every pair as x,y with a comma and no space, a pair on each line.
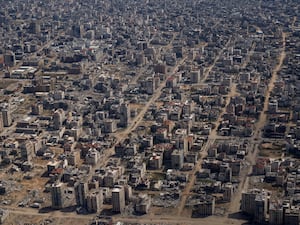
192,176
178,220
211,138
150,219
209,69
234,207
251,52
251,157
233,92
121,136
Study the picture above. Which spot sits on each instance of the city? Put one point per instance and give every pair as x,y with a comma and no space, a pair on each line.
149,112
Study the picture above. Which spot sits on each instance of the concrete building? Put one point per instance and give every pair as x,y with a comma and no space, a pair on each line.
195,77
205,207
78,31
37,109
110,126
228,192
58,118
292,216
260,209
1,123
155,161
10,59
94,201
35,27
27,150
81,191
3,215
275,214
92,157
124,115
143,204
118,199
248,201
177,158
255,203
273,106
6,116
57,195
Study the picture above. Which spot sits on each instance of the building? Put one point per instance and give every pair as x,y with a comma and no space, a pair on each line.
94,201
9,59
273,106
177,158
81,191
58,119
77,31
118,199
228,192
1,123
260,208
6,116
150,87
255,203
37,109
110,126
124,115
155,162
205,206
275,214
195,77
35,27
248,201
3,215
27,150
143,204
292,216
57,195
92,157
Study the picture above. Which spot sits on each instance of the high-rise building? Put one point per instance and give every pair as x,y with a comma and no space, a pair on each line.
27,150
35,27
58,118
177,158
10,59
124,115
77,31
150,87
248,202
94,201
260,211
254,203
1,123
37,109
195,77
292,216
205,206
228,192
6,116
275,214
57,195
118,199
81,191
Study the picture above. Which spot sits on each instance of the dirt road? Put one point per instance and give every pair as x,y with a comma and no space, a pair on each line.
210,141
235,203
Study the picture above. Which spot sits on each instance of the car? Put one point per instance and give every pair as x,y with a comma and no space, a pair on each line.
35,205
